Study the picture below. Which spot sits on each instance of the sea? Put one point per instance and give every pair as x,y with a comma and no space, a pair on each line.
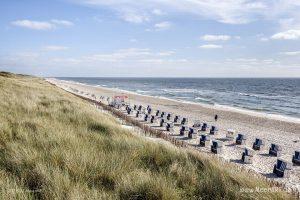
279,96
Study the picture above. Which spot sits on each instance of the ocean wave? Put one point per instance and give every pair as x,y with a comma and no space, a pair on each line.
179,90
204,100
141,91
261,96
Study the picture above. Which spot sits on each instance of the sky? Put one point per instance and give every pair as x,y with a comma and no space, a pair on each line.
150,38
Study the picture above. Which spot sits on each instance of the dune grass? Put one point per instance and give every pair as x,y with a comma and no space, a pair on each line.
56,146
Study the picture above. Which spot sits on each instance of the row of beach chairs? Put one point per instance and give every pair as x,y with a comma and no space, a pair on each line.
168,120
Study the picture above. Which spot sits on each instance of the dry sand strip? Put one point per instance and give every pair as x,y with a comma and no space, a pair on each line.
285,132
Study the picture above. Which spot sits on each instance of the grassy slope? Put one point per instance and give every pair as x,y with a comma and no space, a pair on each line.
56,146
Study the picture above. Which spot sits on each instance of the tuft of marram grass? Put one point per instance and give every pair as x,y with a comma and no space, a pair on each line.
56,146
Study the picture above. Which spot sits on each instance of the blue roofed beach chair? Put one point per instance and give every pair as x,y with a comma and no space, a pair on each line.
129,111
148,106
169,116
137,114
247,156
197,124
184,121
204,140
213,130
275,150
177,119
149,111
183,129
170,127
192,133
282,168
162,114
296,158
241,139
152,118
216,147
258,144
140,107
204,127
162,122
157,113
146,116
134,107
230,135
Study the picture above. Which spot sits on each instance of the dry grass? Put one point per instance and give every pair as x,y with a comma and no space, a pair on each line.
55,146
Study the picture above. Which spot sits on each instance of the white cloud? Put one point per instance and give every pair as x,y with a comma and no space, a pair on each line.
162,26
291,53
211,46
157,12
120,55
55,48
166,53
287,35
41,25
62,22
134,17
264,39
229,11
36,25
133,40
215,37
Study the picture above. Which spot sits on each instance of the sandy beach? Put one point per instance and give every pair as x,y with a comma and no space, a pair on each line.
282,131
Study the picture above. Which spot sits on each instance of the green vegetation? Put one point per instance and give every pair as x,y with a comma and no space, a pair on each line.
54,145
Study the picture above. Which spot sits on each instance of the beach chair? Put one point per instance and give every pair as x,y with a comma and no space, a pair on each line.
169,116
140,108
247,156
204,140
197,124
152,118
296,158
157,113
241,139
213,130
146,116
129,111
230,135
177,119
275,150
216,147
137,114
258,144
149,111
148,106
162,122
282,168
184,121
192,133
162,114
134,107
204,127
183,129
170,127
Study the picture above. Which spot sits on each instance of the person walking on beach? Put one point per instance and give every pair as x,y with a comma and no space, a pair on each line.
216,117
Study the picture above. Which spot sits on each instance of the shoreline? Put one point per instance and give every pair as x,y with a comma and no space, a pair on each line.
226,108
